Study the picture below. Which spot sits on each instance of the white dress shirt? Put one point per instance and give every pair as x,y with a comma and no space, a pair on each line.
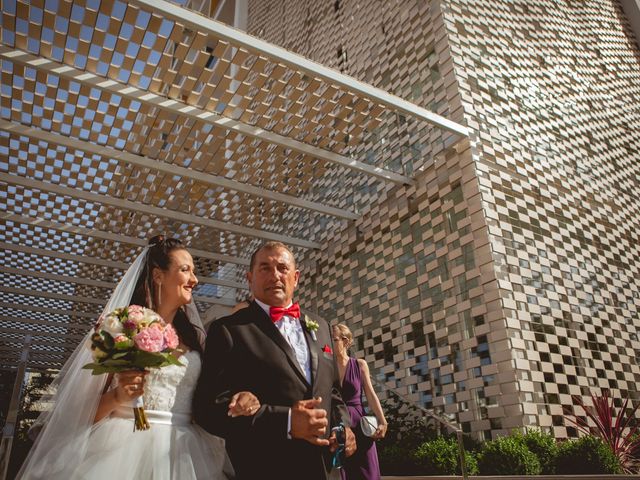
292,331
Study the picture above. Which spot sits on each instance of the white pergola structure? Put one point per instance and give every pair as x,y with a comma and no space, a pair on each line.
119,121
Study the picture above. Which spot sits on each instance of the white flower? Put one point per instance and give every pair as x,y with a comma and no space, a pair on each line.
312,326
112,325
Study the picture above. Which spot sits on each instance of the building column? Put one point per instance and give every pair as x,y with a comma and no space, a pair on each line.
8,432
632,11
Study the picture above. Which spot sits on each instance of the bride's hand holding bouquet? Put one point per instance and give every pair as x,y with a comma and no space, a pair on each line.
128,341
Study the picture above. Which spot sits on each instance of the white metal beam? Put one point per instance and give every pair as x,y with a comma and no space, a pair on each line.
101,284
41,342
90,232
52,295
37,334
297,62
53,311
7,358
183,109
228,302
47,323
202,177
154,211
62,255
46,352
57,277
97,301
41,356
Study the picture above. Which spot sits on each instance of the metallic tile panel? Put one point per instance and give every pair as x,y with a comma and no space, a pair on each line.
121,120
506,279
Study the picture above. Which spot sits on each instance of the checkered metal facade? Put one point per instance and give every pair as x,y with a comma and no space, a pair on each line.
506,278
121,120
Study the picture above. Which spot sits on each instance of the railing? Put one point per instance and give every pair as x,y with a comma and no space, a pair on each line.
434,416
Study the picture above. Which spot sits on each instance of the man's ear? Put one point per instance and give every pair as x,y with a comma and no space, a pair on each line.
249,278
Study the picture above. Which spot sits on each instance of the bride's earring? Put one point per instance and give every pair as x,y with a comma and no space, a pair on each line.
158,290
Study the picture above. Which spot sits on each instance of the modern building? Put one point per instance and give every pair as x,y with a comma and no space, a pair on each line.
477,229
507,278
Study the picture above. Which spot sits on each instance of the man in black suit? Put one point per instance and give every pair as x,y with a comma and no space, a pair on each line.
286,360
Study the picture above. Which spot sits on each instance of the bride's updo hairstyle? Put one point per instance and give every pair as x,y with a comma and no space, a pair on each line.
159,256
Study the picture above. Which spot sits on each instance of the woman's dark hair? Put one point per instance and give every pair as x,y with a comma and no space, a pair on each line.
159,256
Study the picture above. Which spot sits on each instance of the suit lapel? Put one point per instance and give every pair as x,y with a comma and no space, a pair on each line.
312,344
269,329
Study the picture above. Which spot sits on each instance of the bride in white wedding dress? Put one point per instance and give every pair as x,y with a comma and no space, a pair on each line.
89,432
172,448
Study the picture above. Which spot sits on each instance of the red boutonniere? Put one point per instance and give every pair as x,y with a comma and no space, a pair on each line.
327,349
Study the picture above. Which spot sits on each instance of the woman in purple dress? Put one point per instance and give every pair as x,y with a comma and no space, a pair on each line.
354,378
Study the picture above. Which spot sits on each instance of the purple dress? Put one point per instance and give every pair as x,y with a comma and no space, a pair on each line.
363,464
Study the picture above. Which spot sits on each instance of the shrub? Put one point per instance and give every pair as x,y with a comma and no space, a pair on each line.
544,447
441,457
396,460
406,431
406,426
618,428
586,455
508,456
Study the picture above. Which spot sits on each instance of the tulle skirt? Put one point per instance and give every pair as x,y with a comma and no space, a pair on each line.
179,451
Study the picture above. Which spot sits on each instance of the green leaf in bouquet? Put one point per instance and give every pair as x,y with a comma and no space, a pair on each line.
115,362
99,368
169,359
142,359
119,355
124,345
108,340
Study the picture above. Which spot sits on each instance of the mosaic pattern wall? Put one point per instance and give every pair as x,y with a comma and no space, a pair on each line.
506,279
552,89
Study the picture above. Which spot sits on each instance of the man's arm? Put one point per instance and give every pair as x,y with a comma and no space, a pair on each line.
217,386
213,393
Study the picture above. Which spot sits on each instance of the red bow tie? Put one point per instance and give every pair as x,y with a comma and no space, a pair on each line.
276,313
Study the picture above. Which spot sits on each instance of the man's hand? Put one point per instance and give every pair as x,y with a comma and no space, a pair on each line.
243,404
308,422
350,442
350,446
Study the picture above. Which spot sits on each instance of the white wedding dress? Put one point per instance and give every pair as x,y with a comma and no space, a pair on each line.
173,448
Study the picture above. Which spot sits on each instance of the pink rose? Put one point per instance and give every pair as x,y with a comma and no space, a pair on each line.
120,338
136,314
171,337
150,339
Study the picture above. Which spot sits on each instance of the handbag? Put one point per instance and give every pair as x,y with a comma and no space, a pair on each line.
368,425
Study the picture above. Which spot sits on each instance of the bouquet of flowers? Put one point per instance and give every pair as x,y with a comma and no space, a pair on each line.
132,338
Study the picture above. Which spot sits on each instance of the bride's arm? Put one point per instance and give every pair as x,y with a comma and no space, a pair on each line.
130,386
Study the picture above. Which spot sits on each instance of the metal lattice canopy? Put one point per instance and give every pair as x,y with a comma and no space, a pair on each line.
123,120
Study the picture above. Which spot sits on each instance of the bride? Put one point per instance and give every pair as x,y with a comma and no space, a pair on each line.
89,434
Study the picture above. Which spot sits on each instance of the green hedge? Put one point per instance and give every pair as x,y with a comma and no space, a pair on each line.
396,460
533,453
442,457
544,447
508,456
586,455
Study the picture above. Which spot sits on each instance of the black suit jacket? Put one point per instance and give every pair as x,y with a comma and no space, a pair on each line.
246,352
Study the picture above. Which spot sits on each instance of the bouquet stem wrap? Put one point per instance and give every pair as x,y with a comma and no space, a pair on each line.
140,418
